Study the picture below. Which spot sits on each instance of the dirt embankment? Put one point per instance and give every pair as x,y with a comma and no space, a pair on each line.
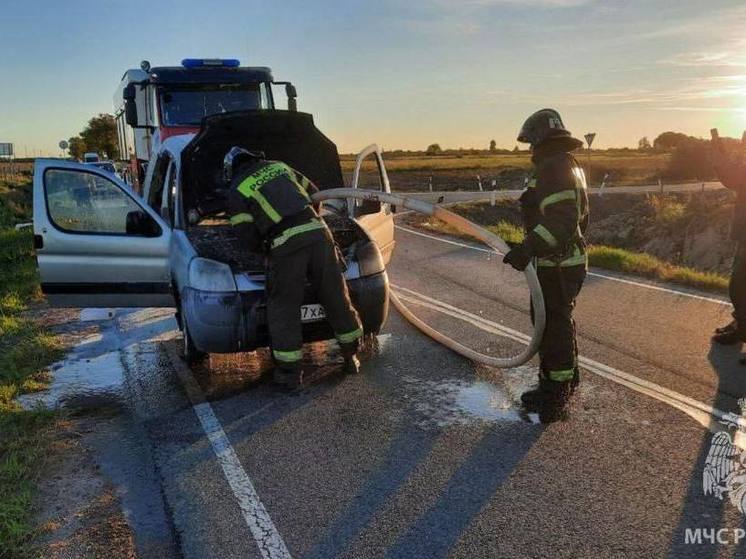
687,229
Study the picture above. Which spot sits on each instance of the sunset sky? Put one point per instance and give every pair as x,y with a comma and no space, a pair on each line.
403,74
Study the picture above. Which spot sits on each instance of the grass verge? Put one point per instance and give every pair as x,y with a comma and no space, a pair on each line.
26,349
600,256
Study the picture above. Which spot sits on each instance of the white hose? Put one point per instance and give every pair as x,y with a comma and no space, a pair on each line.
465,226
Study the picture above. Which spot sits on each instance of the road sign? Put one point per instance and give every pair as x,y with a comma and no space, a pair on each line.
6,149
589,137
63,144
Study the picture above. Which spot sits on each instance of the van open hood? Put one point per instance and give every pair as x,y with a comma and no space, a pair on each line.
285,136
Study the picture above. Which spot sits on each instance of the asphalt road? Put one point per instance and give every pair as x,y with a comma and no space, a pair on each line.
424,454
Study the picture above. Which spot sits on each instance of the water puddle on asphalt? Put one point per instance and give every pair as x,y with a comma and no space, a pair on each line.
454,402
92,374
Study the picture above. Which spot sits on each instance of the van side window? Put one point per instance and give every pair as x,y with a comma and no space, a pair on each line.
81,202
171,193
155,195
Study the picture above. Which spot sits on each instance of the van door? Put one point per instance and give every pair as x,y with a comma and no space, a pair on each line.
375,217
97,243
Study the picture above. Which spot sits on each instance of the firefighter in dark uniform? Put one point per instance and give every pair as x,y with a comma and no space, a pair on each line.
555,216
732,173
270,202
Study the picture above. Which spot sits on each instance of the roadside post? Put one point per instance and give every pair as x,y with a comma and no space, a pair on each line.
603,184
493,198
660,185
479,182
430,183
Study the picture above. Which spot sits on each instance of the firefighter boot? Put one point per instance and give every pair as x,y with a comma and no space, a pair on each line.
288,378
730,337
549,399
352,363
732,325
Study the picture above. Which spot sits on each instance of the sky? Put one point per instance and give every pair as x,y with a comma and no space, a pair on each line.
401,74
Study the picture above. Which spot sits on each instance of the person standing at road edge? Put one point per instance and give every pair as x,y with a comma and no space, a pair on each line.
732,173
554,206
271,204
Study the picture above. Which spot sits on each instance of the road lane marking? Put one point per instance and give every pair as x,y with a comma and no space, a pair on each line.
699,411
265,533
594,274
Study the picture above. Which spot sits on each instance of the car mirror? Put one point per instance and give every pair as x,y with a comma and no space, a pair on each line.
369,207
140,223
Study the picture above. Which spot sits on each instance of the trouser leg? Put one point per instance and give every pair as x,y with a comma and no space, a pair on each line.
737,287
325,274
558,349
286,279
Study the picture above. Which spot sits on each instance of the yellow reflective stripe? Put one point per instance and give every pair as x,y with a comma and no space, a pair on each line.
266,206
288,356
557,197
242,218
545,234
561,376
292,231
577,259
349,337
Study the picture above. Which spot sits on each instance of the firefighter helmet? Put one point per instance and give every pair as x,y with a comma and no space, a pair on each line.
236,156
542,125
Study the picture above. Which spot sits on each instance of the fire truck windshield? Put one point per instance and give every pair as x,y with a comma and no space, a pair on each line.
187,105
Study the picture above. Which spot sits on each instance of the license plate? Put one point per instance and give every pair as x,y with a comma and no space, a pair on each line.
312,313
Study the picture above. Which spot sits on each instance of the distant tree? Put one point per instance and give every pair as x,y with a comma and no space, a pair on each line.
100,135
691,160
433,149
670,140
644,144
493,146
76,147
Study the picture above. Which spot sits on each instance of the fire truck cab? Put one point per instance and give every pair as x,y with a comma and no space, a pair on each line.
152,104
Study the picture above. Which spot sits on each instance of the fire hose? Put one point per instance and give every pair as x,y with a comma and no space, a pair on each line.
465,226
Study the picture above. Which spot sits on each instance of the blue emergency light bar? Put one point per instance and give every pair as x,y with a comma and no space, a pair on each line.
210,62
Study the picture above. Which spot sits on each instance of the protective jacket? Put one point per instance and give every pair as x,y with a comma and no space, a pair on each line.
733,176
555,209
272,203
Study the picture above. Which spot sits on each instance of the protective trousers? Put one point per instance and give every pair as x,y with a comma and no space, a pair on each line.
737,288
317,263
558,351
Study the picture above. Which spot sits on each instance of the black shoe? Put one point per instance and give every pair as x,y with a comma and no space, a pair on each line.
548,399
731,337
742,360
352,365
287,377
575,382
733,325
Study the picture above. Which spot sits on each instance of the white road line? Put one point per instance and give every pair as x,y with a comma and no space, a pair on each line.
594,274
701,412
268,539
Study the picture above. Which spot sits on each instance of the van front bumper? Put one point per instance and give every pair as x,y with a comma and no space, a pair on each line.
230,322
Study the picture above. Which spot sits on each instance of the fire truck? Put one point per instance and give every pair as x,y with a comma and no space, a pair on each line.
152,104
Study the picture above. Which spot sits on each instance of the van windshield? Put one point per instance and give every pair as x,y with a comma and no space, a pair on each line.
187,106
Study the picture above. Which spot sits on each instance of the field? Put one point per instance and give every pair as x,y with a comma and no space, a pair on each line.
26,349
414,172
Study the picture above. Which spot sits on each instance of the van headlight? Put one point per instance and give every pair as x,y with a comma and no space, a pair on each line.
210,275
369,259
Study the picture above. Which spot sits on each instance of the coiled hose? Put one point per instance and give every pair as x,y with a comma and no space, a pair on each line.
464,226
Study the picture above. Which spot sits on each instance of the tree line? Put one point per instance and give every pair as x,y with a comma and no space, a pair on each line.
99,135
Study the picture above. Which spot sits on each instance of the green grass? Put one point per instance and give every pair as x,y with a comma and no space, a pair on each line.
600,256
25,351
